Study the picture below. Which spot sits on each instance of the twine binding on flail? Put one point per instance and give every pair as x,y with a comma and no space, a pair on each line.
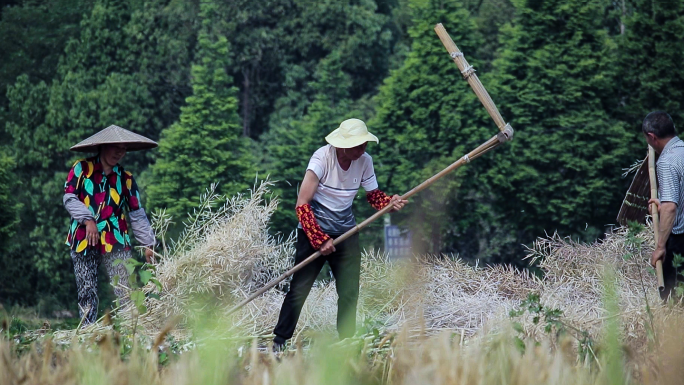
505,134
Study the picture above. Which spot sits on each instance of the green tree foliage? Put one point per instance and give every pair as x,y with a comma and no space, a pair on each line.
354,31
16,273
562,171
255,30
574,77
276,46
9,207
129,67
427,117
491,15
40,169
206,145
39,32
651,76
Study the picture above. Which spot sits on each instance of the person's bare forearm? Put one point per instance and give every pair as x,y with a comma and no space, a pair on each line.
308,188
668,212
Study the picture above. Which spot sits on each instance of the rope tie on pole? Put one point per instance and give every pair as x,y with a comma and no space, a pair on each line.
454,55
468,72
466,158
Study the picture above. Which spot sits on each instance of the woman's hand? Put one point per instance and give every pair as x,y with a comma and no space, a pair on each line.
92,235
327,247
398,203
149,255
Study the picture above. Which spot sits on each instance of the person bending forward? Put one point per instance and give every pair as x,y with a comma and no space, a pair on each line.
324,209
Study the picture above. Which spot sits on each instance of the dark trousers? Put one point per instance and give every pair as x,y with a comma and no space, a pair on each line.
672,275
345,264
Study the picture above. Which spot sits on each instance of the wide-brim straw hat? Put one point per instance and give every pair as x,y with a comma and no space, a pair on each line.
350,133
115,135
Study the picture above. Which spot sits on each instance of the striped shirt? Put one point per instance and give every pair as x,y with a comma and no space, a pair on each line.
332,202
670,171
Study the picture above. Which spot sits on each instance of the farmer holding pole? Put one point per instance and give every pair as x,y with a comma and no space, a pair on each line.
354,130
96,192
324,209
660,133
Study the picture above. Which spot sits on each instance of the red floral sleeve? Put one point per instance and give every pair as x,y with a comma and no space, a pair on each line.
378,199
313,231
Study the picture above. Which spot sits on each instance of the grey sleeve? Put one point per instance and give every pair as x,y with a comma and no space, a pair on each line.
141,227
76,208
668,183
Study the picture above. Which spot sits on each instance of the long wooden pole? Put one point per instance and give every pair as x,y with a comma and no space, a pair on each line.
506,134
654,213
476,153
469,74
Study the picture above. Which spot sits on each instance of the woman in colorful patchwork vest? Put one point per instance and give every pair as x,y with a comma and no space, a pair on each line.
97,193
324,209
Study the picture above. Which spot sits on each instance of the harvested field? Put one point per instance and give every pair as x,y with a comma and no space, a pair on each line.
407,309
226,253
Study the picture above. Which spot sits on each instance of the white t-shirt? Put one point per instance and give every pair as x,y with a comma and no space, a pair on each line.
337,188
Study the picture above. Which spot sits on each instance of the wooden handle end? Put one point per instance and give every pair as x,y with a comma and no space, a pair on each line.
659,275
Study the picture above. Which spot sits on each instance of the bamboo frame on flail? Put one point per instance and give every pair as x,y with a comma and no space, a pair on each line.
505,134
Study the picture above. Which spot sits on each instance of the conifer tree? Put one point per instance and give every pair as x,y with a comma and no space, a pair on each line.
562,172
651,76
427,117
206,145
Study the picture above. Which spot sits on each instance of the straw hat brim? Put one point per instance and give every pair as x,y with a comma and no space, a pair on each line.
130,146
340,142
115,135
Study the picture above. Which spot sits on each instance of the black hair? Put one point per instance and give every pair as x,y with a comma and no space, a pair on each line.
660,124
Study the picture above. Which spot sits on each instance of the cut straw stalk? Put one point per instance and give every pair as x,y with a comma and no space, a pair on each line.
655,214
476,153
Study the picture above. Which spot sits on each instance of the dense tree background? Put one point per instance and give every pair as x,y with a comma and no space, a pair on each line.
236,88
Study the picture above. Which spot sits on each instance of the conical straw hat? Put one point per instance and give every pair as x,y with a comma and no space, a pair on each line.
350,133
115,134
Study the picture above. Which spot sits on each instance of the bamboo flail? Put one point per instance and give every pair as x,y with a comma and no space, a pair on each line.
476,153
506,134
469,74
654,213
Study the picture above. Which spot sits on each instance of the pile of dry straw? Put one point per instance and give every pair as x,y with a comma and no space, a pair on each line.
226,253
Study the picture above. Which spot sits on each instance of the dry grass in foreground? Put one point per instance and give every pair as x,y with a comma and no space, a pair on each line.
396,359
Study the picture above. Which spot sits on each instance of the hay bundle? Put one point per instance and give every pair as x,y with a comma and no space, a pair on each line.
574,280
224,251
227,253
